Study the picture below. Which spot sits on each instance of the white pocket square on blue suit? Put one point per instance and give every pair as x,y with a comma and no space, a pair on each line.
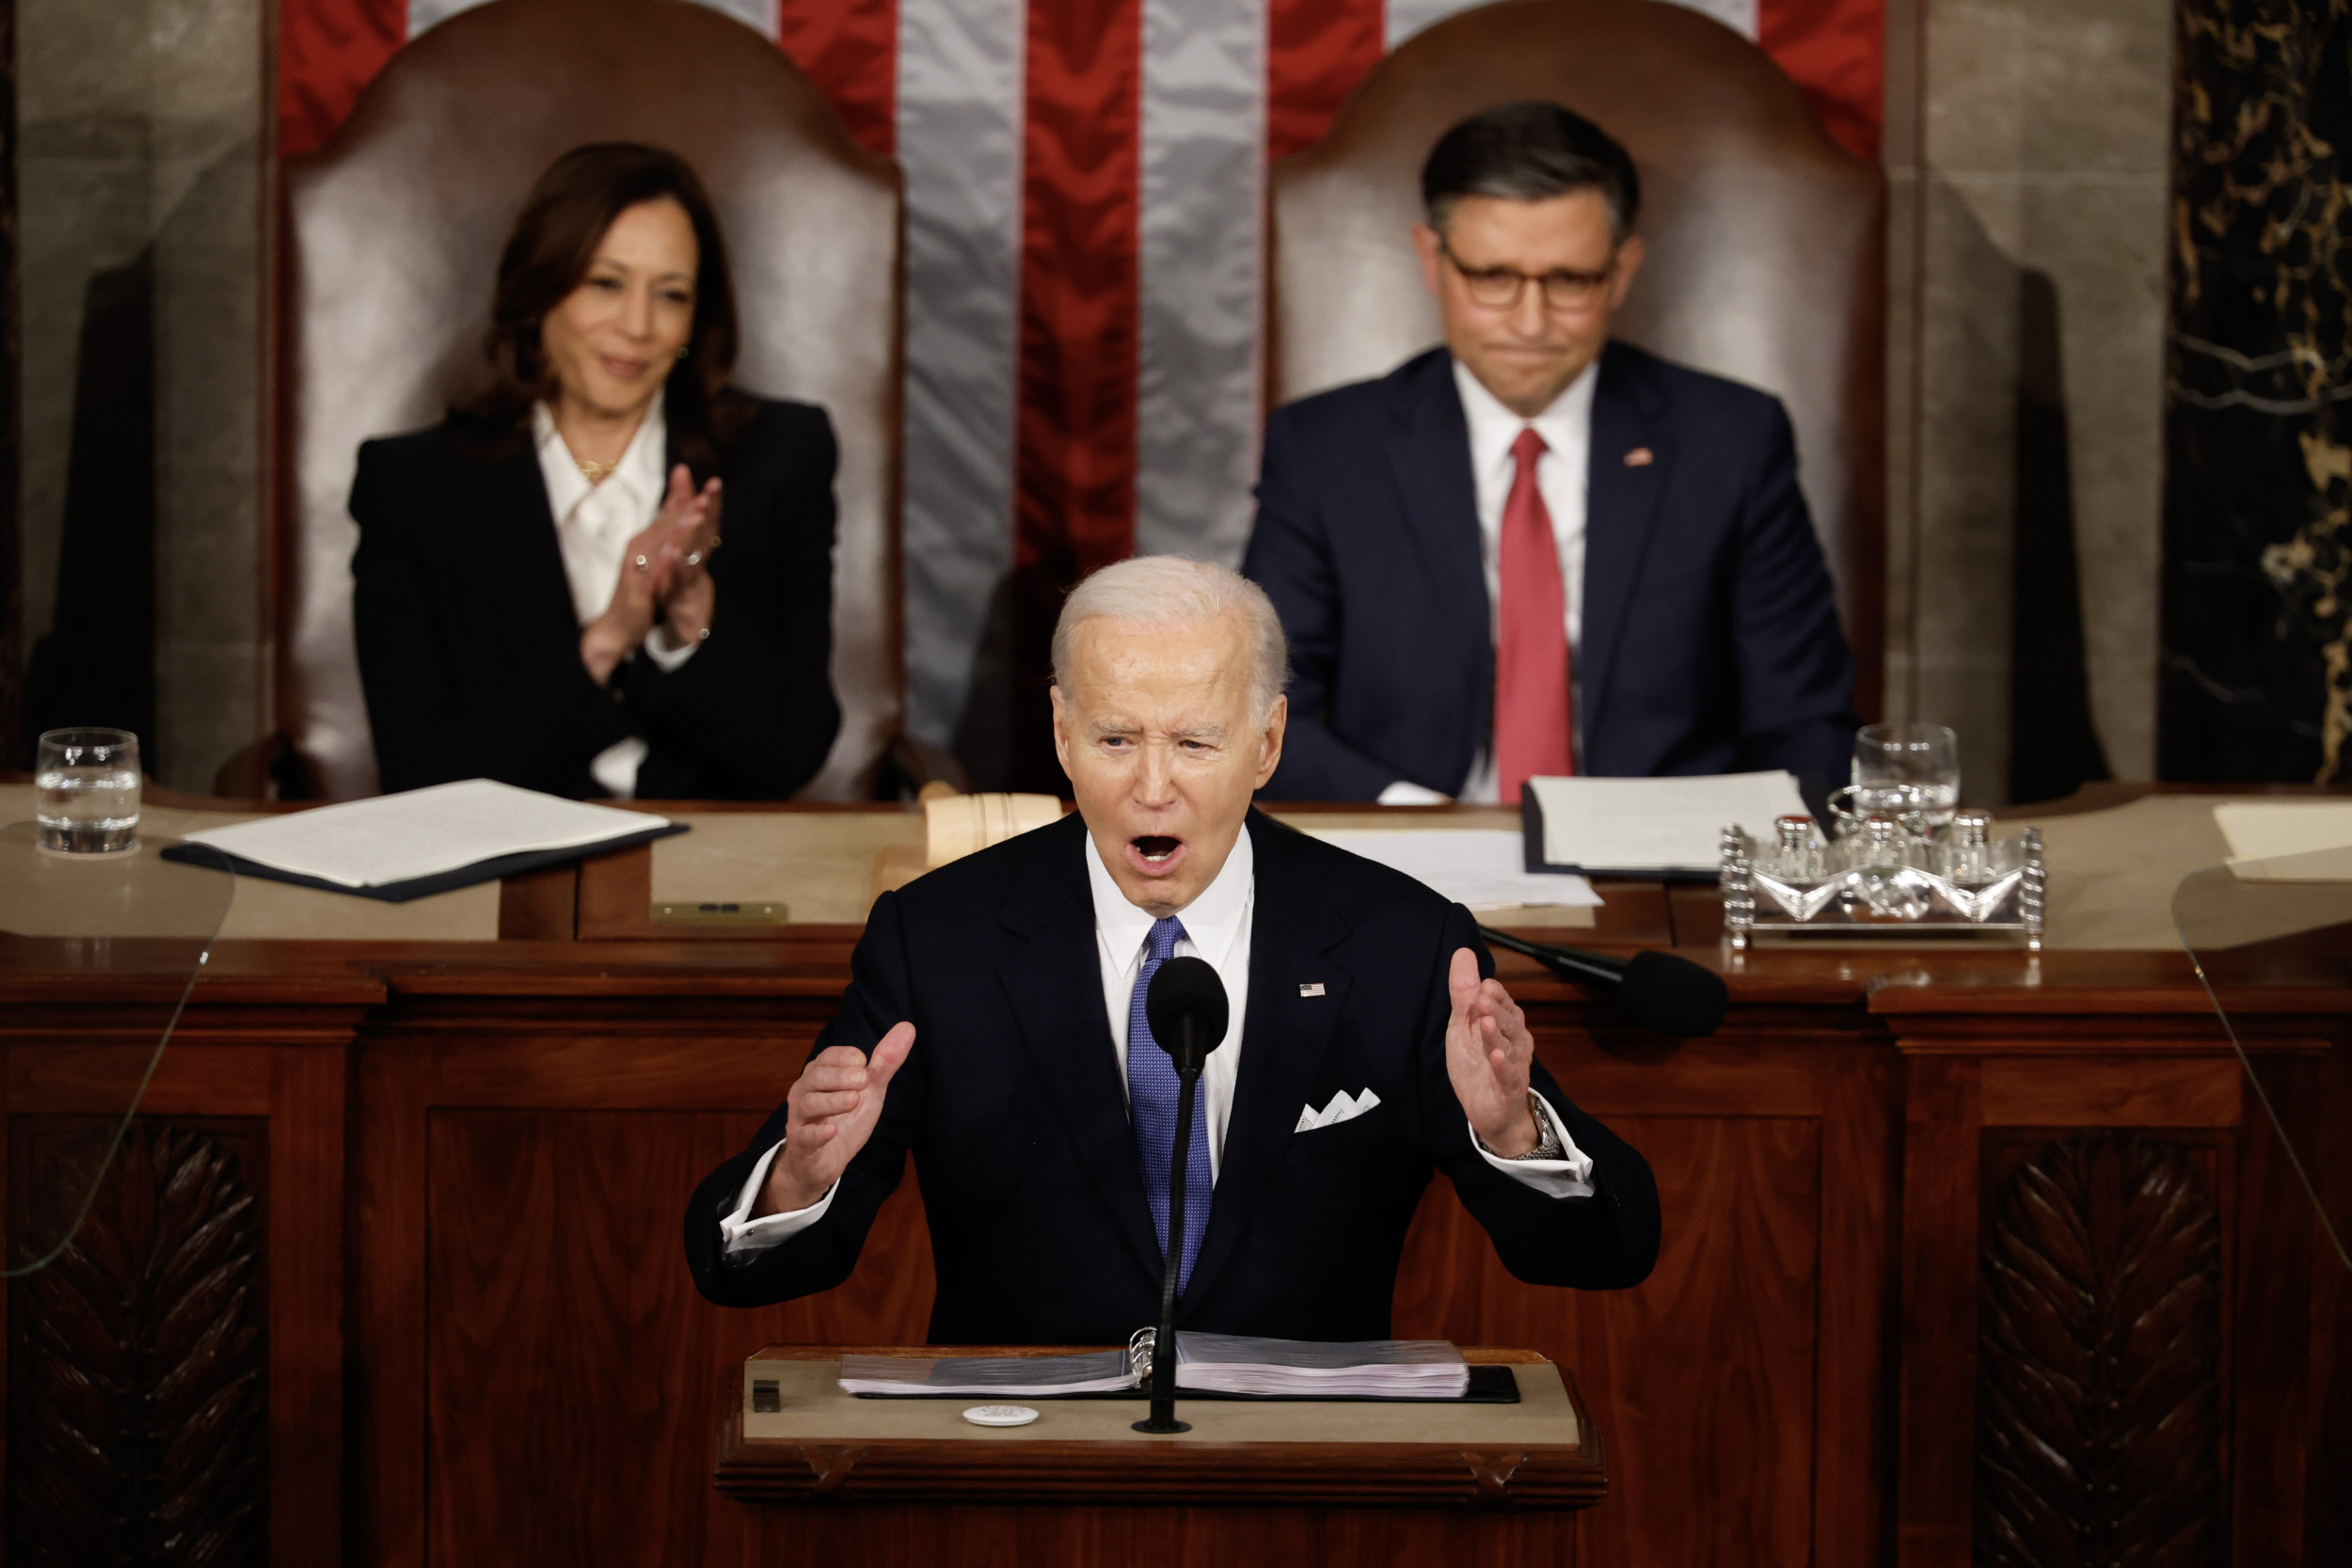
1343,1107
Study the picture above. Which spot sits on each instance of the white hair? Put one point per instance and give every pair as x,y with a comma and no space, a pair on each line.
1157,592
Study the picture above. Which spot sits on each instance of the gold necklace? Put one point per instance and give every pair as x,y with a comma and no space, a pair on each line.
593,472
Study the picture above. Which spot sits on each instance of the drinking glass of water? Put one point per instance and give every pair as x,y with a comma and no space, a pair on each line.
1908,771
85,786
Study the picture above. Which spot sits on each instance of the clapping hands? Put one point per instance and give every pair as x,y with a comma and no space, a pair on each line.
666,579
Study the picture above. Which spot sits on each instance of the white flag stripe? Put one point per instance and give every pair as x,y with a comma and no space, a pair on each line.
1404,18
751,13
958,133
1202,161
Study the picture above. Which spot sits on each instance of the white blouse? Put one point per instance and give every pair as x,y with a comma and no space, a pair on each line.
593,524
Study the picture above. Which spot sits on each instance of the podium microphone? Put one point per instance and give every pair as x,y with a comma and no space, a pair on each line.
1660,991
1187,1009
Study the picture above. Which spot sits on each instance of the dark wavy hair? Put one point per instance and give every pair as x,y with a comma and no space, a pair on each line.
1528,152
548,253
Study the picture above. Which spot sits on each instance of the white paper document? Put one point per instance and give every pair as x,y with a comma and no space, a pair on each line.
1205,1363
421,832
1480,868
1658,824
2265,830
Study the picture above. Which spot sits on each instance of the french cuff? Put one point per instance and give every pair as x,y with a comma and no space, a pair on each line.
1571,1176
1407,793
742,1237
667,652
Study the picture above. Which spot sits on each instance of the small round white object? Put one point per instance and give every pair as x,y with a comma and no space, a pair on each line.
1000,1415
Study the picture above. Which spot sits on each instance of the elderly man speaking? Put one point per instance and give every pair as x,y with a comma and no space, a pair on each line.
994,1029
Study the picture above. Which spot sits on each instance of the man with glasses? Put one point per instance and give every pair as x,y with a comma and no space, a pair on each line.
1535,551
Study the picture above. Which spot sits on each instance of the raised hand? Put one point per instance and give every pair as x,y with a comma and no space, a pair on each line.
1488,1053
831,1113
689,596
654,569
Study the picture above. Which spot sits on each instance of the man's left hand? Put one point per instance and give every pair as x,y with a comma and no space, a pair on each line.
1489,1054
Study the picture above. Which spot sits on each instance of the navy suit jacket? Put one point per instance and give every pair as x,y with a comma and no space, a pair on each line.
1012,1106
1709,639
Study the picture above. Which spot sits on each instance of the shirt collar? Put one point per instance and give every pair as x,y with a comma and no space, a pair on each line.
1212,920
1566,425
640,468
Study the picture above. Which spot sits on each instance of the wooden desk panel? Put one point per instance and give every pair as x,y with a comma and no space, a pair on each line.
1799,1381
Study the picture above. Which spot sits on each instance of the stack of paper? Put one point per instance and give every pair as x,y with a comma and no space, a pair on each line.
1036,1376
1637,825
423,833
1370,1368
1482,869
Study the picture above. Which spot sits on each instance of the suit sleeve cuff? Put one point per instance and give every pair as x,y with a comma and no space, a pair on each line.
666,651
1571,1176
743,1237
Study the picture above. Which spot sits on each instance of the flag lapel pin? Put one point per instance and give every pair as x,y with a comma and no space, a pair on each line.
1315,990
1640,457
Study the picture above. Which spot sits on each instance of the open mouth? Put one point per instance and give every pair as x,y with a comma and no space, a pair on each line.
1156,848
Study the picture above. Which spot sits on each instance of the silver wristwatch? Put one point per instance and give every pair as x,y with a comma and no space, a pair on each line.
1548,1147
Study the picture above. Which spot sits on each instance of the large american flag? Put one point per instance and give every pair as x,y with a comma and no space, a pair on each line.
1085,185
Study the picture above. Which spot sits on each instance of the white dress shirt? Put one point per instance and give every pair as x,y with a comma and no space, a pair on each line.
1560,476
1217,928
593,524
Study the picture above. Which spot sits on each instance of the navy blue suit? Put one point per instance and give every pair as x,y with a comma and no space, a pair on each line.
1711,642
1012,1106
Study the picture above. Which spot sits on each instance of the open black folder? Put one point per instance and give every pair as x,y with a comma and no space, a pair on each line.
1211,1366
420,842
497,868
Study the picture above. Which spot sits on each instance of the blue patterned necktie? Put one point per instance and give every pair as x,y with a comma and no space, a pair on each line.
1152,1091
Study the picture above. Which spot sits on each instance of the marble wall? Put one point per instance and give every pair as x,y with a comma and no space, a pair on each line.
142,145
2026,156
2258,501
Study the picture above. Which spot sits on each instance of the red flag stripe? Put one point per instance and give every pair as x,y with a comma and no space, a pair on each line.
327,50
1835,51
1316,52
849,49
1073,481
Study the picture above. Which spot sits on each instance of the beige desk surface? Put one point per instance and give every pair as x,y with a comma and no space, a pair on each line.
817,1411
2112,872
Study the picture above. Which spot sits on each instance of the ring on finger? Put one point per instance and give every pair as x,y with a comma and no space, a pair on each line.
639,562
693,557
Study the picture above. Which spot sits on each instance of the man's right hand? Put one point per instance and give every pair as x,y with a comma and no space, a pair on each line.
831,1113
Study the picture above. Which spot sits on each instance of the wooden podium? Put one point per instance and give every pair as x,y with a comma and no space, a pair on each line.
828,1478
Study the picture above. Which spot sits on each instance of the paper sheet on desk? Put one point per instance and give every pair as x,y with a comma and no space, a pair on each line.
2288,841
1642,824
1481,867
421,832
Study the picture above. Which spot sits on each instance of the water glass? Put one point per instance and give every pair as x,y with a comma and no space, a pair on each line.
1908,771
86,785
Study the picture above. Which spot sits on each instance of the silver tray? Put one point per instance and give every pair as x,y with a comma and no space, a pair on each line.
1841,889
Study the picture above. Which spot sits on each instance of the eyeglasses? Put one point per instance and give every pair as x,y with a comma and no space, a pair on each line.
1498,288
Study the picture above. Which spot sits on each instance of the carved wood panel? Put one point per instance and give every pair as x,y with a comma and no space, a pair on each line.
568,1354
137,1417
2100,1351
1701,1379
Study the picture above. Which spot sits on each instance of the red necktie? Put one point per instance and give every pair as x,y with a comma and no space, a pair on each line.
1532,722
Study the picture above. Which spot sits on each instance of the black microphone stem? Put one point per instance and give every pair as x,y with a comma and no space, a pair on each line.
1566,963
1188,1062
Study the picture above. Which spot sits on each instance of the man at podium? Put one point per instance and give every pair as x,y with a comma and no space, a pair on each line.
994,1029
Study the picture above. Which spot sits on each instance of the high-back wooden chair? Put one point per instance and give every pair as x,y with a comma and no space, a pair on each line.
392,234
1765,239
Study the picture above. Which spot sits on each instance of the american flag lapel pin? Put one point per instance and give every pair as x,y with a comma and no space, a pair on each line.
1640,457
1315,990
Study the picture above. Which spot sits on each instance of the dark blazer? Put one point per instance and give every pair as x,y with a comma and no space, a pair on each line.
469,647
1711,642
1012,1106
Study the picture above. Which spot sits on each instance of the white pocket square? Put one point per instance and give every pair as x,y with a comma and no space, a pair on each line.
1343,1107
